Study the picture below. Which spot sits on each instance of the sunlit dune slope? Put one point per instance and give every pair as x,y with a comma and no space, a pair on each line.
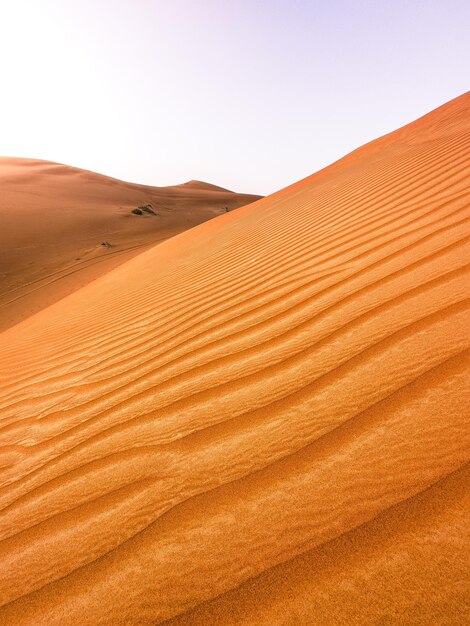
264,420
54,218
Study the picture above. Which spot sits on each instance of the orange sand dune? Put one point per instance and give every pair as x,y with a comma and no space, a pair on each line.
263,420
53,219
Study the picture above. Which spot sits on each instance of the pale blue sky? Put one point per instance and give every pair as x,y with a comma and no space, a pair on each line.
251,95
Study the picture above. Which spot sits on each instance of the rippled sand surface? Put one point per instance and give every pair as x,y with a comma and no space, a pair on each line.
263,420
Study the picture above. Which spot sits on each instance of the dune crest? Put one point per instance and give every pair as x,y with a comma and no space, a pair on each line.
262,420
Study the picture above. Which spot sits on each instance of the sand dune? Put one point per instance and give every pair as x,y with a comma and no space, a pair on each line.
54,218
263,420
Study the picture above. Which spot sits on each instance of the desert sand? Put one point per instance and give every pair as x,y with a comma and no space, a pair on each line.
262,420
54,218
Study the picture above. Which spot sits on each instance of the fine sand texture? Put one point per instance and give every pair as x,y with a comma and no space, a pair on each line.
263,420
54,219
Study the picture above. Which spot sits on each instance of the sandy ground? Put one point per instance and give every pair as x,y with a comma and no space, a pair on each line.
54,218
263,420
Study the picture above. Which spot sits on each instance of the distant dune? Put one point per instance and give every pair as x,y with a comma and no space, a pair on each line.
54,218
199,184
263,420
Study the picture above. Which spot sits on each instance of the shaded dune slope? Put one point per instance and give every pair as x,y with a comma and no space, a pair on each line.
54,217
263,420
